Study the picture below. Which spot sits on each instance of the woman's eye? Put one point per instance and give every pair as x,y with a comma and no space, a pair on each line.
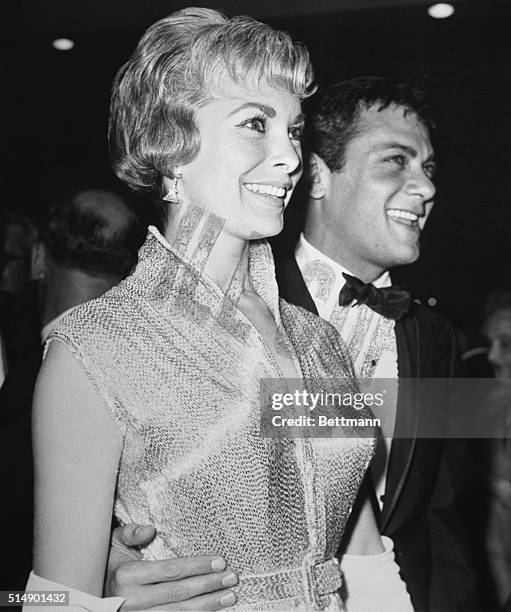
296,132
257,124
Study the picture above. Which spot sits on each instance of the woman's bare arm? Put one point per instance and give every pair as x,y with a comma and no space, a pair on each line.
77,448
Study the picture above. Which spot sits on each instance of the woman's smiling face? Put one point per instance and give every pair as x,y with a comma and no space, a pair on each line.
249,159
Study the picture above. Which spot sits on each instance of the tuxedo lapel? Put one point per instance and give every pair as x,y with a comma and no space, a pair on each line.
292,287
407,412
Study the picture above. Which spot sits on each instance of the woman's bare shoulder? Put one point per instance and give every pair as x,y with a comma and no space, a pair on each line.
65,391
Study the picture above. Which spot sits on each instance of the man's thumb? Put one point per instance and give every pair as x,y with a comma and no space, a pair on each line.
133,535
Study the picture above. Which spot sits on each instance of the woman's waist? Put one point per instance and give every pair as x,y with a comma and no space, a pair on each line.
304,580
313,582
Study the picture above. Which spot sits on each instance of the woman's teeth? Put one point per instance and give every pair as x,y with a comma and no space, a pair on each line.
270,190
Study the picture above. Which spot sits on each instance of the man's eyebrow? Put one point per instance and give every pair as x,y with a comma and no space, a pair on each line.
299,119
264,108
411,151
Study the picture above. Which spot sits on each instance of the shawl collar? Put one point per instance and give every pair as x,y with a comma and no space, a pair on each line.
164,272
407,412
292,287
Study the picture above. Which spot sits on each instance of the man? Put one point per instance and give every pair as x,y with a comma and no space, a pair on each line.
370,196
89,244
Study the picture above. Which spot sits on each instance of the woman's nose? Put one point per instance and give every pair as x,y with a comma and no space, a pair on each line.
287,155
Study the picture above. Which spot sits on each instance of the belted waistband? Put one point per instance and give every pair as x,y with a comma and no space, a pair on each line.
310,583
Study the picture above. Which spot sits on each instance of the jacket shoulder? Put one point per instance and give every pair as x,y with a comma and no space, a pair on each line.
439,352
429,319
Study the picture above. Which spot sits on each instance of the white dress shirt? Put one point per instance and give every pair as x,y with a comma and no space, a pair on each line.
369,337
78,600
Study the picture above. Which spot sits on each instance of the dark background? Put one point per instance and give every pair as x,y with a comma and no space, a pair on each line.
54,109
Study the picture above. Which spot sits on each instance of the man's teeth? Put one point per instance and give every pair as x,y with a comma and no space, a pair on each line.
276,192
402,214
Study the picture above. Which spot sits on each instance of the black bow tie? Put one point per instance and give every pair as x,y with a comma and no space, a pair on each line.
391,302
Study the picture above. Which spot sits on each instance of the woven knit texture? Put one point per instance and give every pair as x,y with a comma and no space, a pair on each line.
178,367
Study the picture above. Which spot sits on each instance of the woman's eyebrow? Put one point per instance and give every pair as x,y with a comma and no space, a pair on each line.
264,108
299,119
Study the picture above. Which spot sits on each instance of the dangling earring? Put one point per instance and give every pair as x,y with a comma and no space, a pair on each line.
171,195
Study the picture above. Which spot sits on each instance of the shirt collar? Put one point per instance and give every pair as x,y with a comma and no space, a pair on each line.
306,252
323,276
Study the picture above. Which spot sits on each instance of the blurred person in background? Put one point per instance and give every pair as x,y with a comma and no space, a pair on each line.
18,236
497,329
488,465
473,349
88,244
18,302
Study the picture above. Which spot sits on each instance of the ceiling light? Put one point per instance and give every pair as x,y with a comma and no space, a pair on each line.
63,44
441,10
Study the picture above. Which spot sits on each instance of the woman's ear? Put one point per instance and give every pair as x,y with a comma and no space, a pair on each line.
319,177
170,186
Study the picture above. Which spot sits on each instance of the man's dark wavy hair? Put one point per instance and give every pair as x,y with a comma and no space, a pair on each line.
79,234
334,112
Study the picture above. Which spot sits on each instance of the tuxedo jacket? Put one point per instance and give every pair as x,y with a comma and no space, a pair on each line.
422,501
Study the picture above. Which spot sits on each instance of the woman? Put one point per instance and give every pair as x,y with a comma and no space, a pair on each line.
149,396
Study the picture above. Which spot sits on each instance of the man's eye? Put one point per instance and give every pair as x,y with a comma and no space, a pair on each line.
400,160
429,170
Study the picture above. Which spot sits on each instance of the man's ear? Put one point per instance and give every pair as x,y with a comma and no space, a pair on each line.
38,261
319,177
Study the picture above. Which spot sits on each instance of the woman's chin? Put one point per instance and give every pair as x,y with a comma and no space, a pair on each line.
266,232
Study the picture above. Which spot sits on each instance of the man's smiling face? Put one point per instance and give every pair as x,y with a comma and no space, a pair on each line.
378,203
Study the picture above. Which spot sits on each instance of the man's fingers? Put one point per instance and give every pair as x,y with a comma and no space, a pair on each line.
169,570
181,591
212,601
133,535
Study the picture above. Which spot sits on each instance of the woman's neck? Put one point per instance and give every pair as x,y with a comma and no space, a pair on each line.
201,237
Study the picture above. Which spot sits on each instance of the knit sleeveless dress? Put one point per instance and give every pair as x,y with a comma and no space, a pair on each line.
178,367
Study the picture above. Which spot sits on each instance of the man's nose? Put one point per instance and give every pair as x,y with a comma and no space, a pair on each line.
421,185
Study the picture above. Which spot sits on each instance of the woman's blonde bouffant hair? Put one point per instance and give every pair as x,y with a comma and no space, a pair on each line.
177,66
